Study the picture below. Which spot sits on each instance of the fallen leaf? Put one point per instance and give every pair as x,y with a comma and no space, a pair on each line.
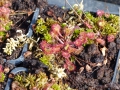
103,50
7,35
81,69
99,64
105,61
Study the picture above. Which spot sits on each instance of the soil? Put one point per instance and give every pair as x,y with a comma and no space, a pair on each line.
97,79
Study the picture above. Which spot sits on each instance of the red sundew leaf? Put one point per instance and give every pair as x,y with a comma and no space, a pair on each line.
78,42
46,47
48,50
65,54
83,34
58,45
110,38
1,68
35,88
7,3
71,49
87,25
68,61
5,11
2,28
44,44
69,65
65,66
91,35
82,39
57,48
48,85
78,50
100,13
55,36
55,28
100,41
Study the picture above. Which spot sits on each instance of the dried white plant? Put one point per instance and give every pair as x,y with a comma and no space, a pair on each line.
59,72
19,39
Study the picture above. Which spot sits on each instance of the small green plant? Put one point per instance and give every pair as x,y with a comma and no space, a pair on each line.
47,59
42,27
32,80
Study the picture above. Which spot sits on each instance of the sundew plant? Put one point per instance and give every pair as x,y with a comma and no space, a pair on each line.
63,40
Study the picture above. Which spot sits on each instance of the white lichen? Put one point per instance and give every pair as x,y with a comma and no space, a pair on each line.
13,43
21,37
59,72
10,46
79,6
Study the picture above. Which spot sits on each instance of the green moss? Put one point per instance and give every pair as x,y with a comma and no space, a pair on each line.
56,87
46,60
2,77
32,80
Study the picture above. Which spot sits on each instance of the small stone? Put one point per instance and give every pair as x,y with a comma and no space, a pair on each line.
88,68
60,19
99,64
28,53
